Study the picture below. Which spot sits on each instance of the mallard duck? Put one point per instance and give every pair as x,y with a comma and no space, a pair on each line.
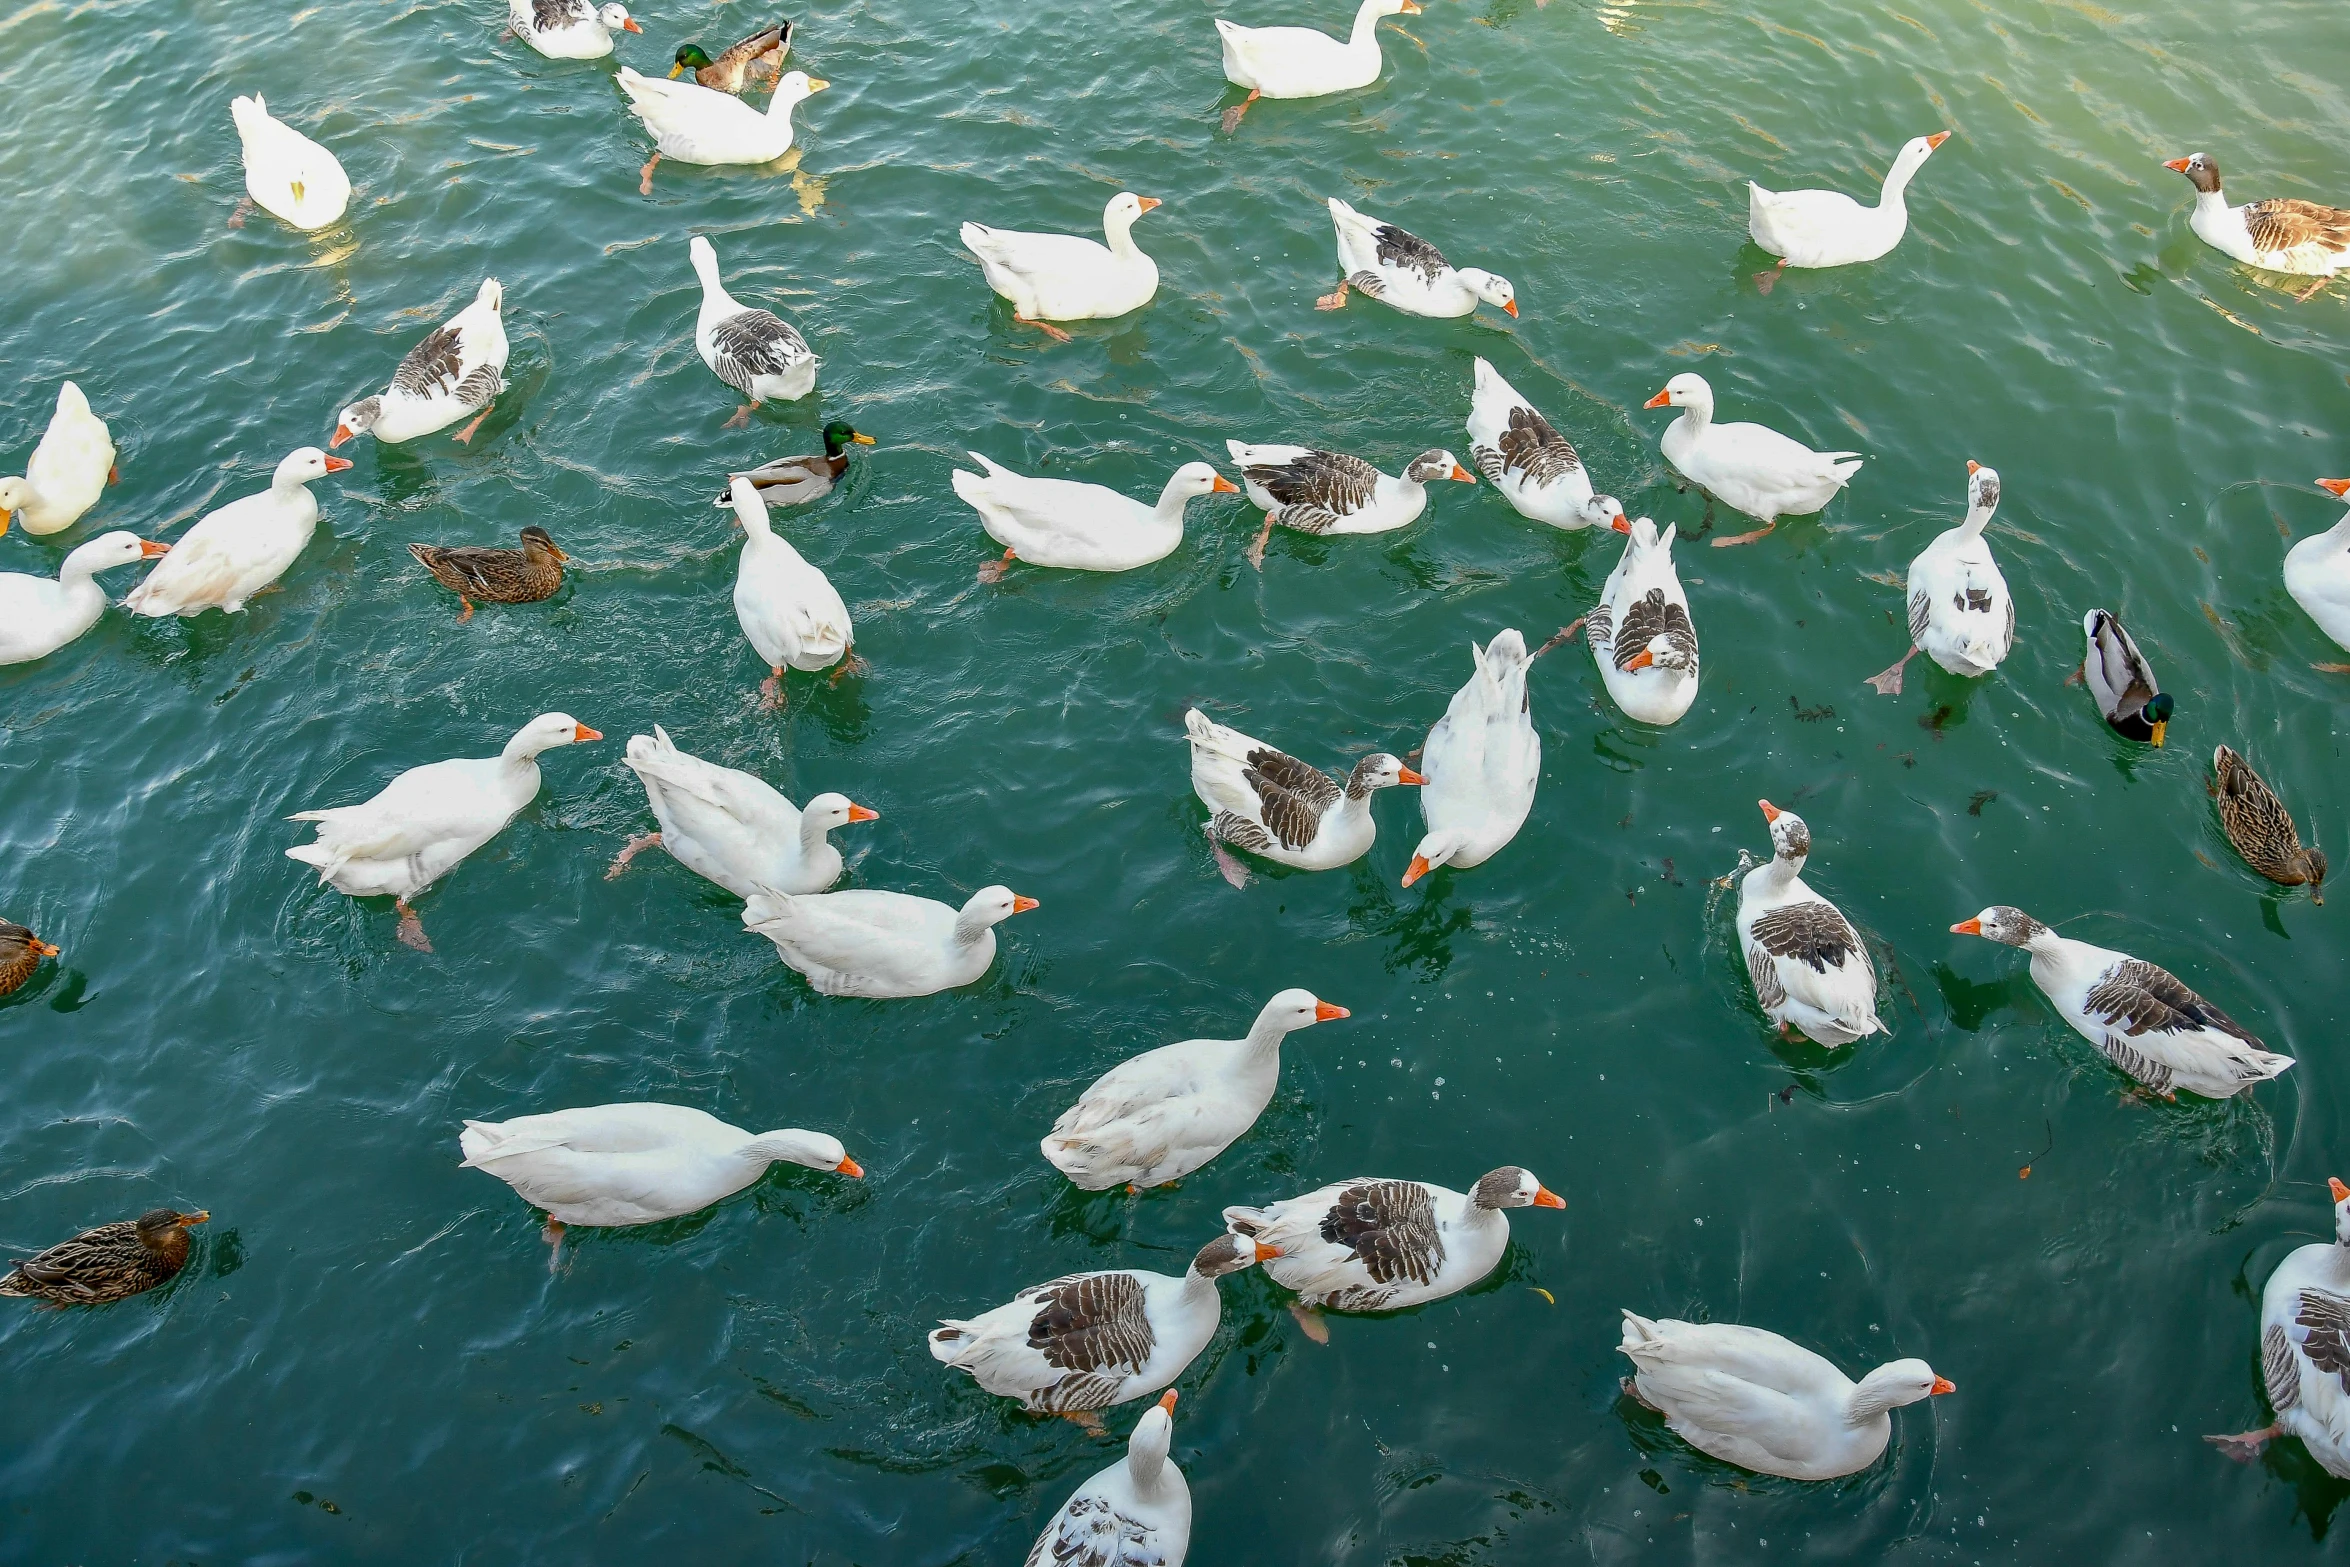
1299,62
795,481
1748,467
1751,1398
569,29
1531,463
754,351
1085,1342
2261,828
1315,491
731,826
495,576
1826,228
459,368
2317,573
1482,761
2304,1329
2122,681
1076,526
39,615
69,469
1401,269
2281,234
1154,1118
1136,1513
1066,277
233,553
1960,612
287,174
1640,632
2138,1015
790,612
694,124
1270,803
21,952
111,1262
761,54
417,828
885,945
1811,970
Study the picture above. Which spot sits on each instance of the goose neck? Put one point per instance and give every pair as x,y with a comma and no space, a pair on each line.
1366,26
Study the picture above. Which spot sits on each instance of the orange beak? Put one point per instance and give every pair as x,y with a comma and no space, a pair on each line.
1544,1197
2336,1187
1619,524
1406,775
1462,474
1148,202
850,1168
858,813
1967,928
1938,138
1223,486
1022,905
1266,1253
44,949
149,549
1663,399
581,734
1770,811
1417,869
1324,1011
1411,7
2337,488
2177,165
630,26
1943,1385
1641,660
1973,467
1511,306
1167,1401
337,464
342,434
200,1216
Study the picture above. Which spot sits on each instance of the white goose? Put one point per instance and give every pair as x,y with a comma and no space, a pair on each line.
2305,1349
637,1163
730,827
2138,1015
569,29
1080,527
1401,269
2317,571
457,369
754,351
1298,62
1062,277
1752,469
1481,761
1379,1245
233,553
1085,1342
1749,1397
1270,803
789,610
1533,466
1811,971
2282,234
1136,1513
883,944
287,174
39,615
1315,491
1960,613
69,469
417,828
1640,633
1826,228
697,124
1154,1118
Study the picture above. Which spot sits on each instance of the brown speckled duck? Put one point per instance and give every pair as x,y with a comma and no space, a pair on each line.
522,576
21,952
111,1262
2261,828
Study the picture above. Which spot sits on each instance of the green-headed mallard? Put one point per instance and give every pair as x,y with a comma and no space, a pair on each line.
111,1262
795,481
2261,828
522,576
761,54
21,952
2122,681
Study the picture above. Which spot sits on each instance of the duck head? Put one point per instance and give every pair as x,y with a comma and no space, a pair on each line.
15,939
689,58
159,1228
2159,708
2201,168
1512,1187
1894,1384
1491,287
538,544
813,1149
1431,466
1229,1254
1790,838
840,434
304,464
2010,927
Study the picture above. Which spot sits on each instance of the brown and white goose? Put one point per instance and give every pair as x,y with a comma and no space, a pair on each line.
1314,491
2305,1349
1270,803
1136,1513
2282,234
1810,969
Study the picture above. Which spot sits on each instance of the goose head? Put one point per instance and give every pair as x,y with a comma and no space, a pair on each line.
1914,152
493,293
1437,848
617,20
2010,927
1491,287
1153,1438
750,508
357,419
1687,390
988,908
1512,1187
1790,838
1379,770
796,87
1229,1254
1193,480
813,1149
1603,511
1431,466
2341,1195
108,551
1893,1384
1123,209
303,465
2201,168
1982,490
830,810
546,732
15,495
1663,652
1294,1009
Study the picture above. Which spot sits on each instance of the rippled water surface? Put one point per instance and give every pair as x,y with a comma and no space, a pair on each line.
369,1361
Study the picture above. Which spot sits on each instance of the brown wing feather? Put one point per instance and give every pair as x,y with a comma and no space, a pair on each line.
1330,482
1390,1226
1291,797
432,365
1816,933
2324,1319
1535,449
2141,998
2286,224
1092,1323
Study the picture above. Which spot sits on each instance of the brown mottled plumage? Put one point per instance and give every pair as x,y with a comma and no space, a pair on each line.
21,952
522,576
758,56
2261,828
111,1262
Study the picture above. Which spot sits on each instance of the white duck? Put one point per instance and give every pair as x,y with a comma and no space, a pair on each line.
1299,62
417,828
1315,491
1154,1118
1752,469
1401,269
883,944
1960,613
233,553
1136,1513
788,609
1826,228
569,29
1811,971
1270,803
1379,1245
754,351
1751,1398
2317,571
1533,466
457,369
697,124
1080,527
1085,1342
39,615
2138,1015
287,174
69,469
637,1163
1062,277
730,827
2282,234
2305,1348
1640,633
1481,761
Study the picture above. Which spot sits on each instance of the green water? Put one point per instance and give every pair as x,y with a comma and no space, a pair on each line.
370,1327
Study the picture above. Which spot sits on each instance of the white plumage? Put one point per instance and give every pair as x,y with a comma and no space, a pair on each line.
1826,228
1081,527
1062,277
1270,803
1299,62
236,551
455,370
1755,470
2317,572
2305,1349
286,173
1521,454
1640,632
1481,762
569,29
732,828
754,351
1960,613
635,1163
39,615
1810,968
697,124
789,610
67,473
1397,267
883,944
1136,1513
